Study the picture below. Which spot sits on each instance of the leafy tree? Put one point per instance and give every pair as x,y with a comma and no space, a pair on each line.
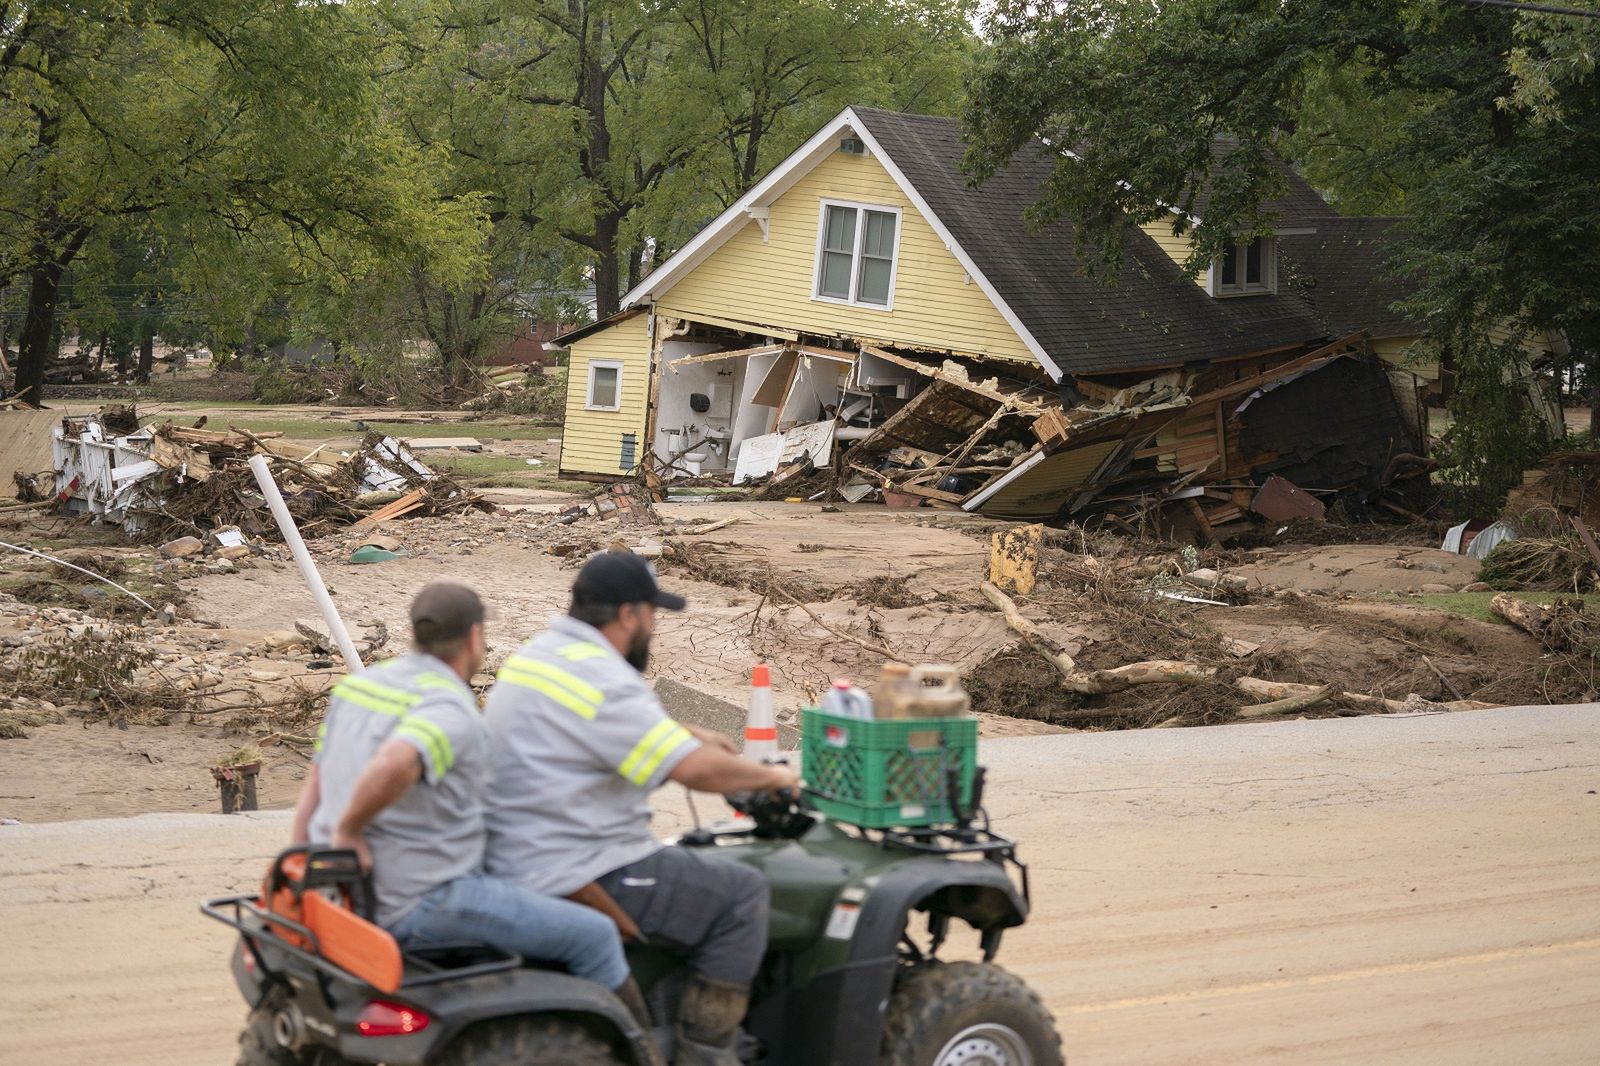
219,125
602,133
1395,105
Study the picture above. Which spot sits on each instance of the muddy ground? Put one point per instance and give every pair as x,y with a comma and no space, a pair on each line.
818,594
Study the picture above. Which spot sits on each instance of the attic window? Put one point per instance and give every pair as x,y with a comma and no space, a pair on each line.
856,246
1246,269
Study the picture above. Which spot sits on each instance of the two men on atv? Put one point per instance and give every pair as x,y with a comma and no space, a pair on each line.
399,775
548,792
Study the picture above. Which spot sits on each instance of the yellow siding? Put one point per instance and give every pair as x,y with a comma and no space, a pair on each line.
935,306
1176,247
591,441
1422,360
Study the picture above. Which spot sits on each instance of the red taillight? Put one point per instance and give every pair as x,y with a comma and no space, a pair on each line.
382,1018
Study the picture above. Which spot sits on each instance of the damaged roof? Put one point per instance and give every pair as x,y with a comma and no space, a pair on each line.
1153,316
1339,269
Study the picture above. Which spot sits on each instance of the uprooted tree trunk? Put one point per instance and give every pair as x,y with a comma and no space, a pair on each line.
1282,697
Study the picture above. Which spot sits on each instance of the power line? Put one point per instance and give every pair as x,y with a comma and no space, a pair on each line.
1538,9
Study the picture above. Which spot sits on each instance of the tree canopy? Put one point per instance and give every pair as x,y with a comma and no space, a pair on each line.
1480,125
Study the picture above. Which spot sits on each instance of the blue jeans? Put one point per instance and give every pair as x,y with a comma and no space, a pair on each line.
480,909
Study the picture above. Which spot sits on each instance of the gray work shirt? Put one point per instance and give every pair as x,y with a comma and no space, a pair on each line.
577,743
434,833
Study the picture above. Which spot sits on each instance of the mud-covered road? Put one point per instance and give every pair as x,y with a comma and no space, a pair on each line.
1382,889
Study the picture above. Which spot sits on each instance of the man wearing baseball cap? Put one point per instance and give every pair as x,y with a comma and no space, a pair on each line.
579,741
399,773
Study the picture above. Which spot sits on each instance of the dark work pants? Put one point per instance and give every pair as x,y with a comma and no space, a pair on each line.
712,910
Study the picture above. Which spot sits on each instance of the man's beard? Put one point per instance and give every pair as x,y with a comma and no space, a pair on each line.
638,655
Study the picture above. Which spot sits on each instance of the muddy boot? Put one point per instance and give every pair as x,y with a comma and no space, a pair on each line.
633,999
708,1022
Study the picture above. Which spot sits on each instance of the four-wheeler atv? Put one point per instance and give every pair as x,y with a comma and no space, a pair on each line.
848,979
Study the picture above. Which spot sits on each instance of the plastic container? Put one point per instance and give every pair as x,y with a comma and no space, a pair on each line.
885,774
847,701
927,691
892,695
936,692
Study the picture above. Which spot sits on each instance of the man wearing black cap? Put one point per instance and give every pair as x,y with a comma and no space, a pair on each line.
578,743
399,775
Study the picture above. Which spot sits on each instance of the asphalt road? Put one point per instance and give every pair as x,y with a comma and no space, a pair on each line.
1386,889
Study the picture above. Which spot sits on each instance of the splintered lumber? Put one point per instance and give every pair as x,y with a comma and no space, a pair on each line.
1588,540
1014,558
1290,704
404,505
712,528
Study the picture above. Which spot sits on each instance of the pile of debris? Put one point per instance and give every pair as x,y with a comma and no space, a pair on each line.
1180,453
167,481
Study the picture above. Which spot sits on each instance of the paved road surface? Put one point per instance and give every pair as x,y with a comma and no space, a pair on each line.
1387,889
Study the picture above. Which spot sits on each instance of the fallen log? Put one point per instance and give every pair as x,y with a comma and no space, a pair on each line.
1290,704
1528,617
1095,682
1151,672
1064,664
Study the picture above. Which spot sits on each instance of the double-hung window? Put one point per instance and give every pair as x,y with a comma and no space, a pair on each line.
856,246
1245,268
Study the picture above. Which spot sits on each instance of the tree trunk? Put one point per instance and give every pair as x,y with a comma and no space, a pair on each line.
1591,373
147,355
38,328
608,265
100,352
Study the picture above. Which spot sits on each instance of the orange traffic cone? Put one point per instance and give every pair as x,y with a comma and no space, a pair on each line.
761,729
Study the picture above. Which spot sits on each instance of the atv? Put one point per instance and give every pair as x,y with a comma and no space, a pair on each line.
850,977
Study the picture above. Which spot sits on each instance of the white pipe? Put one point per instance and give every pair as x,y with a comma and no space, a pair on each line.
308,569
79,569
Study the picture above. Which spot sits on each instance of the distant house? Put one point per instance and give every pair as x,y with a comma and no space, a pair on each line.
838,286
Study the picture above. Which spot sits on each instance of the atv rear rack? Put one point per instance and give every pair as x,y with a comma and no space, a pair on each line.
433,973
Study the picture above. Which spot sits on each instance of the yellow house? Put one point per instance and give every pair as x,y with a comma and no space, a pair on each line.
828,291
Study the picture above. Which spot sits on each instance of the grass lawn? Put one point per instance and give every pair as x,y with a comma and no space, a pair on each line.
1476,604
320,429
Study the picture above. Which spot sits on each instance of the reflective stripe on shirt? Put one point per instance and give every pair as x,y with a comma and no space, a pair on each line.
662,740
569,690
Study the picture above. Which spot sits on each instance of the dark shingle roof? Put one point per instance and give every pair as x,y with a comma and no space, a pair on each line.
1339,270
1154,316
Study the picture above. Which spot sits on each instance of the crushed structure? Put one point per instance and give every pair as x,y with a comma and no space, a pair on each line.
865,314
170,480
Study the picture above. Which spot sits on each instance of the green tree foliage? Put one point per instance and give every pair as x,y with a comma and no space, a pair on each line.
242,138
600,134
1392,105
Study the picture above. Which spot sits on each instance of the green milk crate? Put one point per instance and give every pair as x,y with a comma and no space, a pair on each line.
887,773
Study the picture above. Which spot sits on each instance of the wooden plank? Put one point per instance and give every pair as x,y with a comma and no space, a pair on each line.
404,505
1014,558
965,383
717,357
427,444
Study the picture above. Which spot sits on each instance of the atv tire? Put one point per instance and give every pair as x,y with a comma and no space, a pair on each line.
259,1047
528,1040
944,1013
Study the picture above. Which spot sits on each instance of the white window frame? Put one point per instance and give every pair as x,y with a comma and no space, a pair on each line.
855,259
588,396
1269,270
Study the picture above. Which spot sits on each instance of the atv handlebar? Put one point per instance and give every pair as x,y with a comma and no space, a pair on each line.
783,814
